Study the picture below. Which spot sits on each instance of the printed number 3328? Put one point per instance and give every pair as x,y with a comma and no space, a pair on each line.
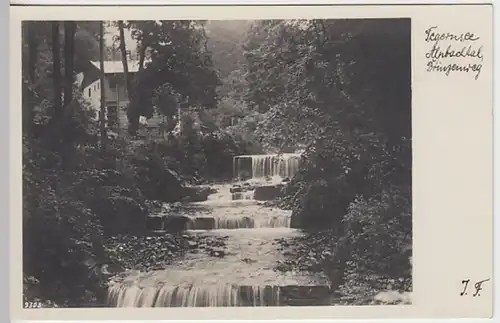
32,305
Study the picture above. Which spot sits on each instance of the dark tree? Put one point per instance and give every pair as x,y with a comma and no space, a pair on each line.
56,69
69,56
102,111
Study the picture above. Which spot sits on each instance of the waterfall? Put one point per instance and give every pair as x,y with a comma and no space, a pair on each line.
248,195
284,165
220,295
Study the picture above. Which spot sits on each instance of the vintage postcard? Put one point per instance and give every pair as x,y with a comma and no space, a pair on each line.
251,162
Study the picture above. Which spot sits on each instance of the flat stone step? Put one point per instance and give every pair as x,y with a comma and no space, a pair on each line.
238,222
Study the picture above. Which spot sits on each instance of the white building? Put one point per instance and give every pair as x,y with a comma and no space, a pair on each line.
115,90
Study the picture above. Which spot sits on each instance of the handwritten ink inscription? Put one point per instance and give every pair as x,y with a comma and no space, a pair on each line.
453,52
478,287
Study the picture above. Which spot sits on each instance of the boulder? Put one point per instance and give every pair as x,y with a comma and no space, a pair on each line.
295,220
196,193
248,187
112,269
306,295
154,223
204,223
154,206
175,223
216,252
169,187
266,193
236,189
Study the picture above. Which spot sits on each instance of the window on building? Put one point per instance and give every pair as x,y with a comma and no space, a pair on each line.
98,85
90,92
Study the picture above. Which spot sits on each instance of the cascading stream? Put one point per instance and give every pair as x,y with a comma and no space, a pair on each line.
245,275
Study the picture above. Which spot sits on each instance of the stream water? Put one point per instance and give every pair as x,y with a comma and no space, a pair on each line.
244,276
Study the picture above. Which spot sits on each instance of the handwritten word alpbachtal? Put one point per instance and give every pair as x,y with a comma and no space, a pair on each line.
458,46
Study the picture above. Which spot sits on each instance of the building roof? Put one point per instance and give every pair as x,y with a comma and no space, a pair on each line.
115,67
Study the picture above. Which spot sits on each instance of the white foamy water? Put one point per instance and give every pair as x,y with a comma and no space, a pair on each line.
196,296
283,165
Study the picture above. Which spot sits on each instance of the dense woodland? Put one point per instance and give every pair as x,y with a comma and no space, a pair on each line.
338,89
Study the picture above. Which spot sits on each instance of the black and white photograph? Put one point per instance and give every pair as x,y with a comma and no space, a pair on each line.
217,163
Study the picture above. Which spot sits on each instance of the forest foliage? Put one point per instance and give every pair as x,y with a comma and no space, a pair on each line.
338,89
342,88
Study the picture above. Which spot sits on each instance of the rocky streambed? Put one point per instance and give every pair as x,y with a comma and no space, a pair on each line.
155,252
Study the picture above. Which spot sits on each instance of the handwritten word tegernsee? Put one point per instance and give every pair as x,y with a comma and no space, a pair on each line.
453,52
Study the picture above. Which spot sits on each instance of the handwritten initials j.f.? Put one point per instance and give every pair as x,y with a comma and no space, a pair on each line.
478,286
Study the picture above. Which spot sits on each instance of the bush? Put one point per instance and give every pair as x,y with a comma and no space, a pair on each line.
195,157
331,175
59,236
379,231
115,199
153,176
219,149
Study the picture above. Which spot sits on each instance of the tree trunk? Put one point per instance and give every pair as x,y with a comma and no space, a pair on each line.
142,56
28,94
66,125
133,112
56,70
69,53
132,115
102,111
123,51
32,44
